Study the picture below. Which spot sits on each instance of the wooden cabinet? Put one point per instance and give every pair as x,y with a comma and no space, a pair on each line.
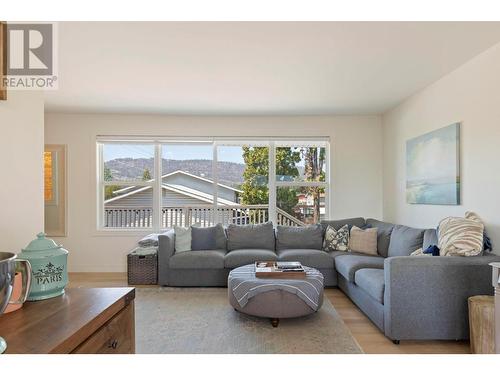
83,321
114,337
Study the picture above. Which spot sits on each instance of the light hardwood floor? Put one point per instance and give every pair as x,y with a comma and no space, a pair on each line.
364,331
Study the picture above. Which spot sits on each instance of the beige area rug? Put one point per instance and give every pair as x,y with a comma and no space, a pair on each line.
200,320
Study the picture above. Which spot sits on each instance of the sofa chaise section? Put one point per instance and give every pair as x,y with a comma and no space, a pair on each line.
425,297
415,297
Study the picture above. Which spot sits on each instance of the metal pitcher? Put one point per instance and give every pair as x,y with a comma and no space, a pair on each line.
9,265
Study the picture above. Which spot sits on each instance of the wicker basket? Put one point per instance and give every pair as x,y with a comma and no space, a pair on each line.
142,269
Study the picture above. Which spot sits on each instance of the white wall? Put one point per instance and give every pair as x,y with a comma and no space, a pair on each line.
356,170
21,153
470,95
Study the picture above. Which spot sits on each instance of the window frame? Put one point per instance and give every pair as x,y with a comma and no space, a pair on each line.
159,142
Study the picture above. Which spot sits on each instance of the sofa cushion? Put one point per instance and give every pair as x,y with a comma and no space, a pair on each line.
405,240
208,238
384,231
201,259
430,238
309,237
348,265
337,224
237,258
371,280
337,253
307,257
252,236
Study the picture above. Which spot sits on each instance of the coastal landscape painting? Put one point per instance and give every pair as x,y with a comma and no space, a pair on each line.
433,167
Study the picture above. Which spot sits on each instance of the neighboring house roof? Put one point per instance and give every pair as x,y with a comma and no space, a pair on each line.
127,194
186,174
203,179
209,198
180,189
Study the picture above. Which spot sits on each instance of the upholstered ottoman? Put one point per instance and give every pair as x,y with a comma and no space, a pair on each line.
275,298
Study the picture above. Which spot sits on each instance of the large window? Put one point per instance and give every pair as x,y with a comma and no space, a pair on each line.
157,184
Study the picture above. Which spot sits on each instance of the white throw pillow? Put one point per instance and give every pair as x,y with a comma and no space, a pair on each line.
182,239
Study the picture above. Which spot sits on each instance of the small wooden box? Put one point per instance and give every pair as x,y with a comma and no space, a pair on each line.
271,271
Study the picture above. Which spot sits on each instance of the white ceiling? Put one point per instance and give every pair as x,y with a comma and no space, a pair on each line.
256,67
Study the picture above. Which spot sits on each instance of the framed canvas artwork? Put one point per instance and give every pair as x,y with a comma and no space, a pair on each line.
433,167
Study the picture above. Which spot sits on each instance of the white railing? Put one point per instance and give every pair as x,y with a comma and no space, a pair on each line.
142,217
127,217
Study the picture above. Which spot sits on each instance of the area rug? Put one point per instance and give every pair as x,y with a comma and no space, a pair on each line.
200,320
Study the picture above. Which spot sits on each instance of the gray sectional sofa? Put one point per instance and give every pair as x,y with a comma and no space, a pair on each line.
407,297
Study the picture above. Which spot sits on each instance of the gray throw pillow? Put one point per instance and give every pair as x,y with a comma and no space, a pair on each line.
405,240
252,236
384,231
209,238
309,237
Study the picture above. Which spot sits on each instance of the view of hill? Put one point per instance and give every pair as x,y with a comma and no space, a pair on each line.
126,168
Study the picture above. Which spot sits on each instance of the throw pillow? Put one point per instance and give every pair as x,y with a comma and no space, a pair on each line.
251,236
182,239
363,240
461,236
433,250
209,238
308,237
336,239
405,240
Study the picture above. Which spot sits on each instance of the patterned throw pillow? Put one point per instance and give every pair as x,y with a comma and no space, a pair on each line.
461,236
336,239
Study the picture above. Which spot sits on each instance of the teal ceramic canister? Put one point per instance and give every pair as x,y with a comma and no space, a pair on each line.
49,264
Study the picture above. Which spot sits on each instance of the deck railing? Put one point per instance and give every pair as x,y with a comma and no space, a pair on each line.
142,217
128,217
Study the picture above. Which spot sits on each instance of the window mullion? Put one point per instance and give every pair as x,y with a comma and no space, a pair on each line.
272,183
328,191
215,178
157,190
100,187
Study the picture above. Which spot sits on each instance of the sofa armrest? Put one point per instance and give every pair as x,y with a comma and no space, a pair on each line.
166,248
426,297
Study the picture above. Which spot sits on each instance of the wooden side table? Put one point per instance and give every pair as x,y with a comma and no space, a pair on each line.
482,324
83,321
